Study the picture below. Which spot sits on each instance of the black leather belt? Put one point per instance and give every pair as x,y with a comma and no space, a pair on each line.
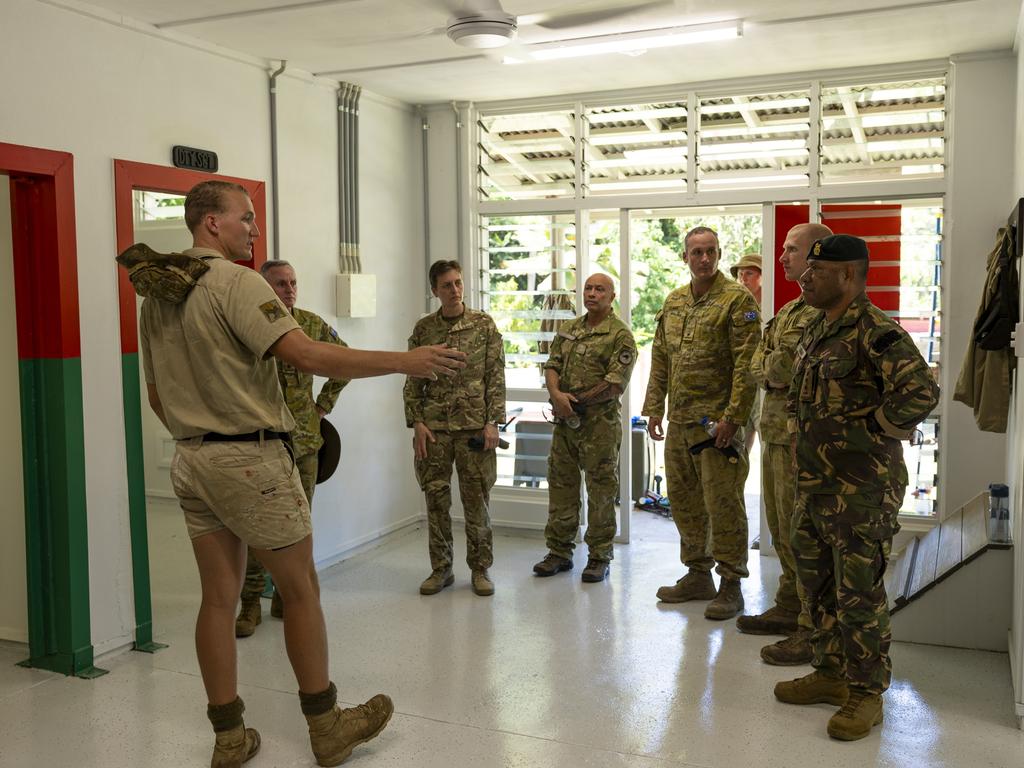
214,437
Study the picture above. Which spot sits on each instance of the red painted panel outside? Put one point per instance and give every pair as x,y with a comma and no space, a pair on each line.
129,176
870,226
45,251
786,217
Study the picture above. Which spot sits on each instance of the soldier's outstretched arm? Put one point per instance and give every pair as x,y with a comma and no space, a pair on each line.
309,356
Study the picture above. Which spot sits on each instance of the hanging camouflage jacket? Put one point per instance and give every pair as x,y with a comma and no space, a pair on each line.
298,386
475,395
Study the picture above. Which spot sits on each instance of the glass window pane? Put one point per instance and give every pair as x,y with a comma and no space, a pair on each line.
527,156
635,148
529,287
524,464
883,131
754,141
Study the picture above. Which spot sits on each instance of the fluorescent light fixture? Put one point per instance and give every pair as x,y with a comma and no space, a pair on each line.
634,43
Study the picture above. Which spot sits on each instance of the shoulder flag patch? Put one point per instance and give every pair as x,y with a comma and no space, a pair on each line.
885,341
750,316
272,311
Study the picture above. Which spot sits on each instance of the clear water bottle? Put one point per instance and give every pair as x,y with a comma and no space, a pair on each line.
998,514
734,449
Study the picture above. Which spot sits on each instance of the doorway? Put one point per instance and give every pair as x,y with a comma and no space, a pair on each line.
165,184
40,202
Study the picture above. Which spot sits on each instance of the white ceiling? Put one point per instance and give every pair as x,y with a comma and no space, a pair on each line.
373,43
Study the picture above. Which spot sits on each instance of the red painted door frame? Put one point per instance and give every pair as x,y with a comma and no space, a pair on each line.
53,441
128,177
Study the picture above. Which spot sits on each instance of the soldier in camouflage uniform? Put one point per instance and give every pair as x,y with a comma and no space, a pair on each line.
772,369
306,441
588,368
707,332
445,415
860,386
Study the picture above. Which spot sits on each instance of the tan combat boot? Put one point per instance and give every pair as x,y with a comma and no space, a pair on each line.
248,617
793,651
437,581
727,603
861,712
695,585
774,621
482,584
235,744
277,606
815,688
334,734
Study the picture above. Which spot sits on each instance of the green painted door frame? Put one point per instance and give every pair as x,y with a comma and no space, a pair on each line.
50,374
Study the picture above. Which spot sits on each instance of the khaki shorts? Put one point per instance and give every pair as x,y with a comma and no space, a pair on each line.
252,488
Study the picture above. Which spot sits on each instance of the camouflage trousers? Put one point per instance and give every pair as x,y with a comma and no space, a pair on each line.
255,574
706,492
778,484
842,546
477,472
594,449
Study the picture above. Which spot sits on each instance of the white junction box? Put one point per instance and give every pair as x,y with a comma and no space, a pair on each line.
357,295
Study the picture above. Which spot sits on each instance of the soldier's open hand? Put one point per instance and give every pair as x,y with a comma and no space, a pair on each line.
421,435
433,361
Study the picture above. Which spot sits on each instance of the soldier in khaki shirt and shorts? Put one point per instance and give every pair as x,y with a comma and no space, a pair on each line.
211,380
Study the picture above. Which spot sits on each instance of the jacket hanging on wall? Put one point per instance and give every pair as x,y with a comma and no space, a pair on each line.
984,382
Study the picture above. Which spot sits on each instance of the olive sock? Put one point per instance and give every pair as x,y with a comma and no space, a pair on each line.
225,717
318,703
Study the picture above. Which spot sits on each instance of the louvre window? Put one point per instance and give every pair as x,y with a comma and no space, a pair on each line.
527,156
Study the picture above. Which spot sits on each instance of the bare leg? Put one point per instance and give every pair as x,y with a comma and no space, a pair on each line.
221,559
305,634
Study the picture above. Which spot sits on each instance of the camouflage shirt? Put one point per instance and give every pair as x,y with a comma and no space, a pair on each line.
476,394
860,386
583,356
298,386
772,366
701,355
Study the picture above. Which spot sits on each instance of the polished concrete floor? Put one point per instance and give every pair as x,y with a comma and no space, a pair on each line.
548,672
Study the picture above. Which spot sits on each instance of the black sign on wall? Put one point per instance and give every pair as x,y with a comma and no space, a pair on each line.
195,159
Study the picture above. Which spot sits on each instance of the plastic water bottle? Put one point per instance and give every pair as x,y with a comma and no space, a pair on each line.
999,514
711,427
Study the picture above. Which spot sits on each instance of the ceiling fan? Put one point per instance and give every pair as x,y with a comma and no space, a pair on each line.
485,24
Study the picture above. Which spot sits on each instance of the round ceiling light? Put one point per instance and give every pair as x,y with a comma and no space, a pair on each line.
477,32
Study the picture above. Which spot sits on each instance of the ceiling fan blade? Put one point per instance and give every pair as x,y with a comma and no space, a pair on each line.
458,8
358,42
561,21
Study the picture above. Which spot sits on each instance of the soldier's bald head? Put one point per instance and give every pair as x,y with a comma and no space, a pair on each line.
602,278
808,233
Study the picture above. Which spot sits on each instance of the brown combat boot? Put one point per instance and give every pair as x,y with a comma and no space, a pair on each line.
277,606
727,603
791,652
481,582
596,570
861,712
815,688
235,744
774,621
552,564
335,733
437,581
695,585
248,617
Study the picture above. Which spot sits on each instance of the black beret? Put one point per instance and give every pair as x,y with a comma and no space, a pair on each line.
839,248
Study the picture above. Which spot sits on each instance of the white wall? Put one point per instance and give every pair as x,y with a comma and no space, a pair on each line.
14,606
982,115
117,93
